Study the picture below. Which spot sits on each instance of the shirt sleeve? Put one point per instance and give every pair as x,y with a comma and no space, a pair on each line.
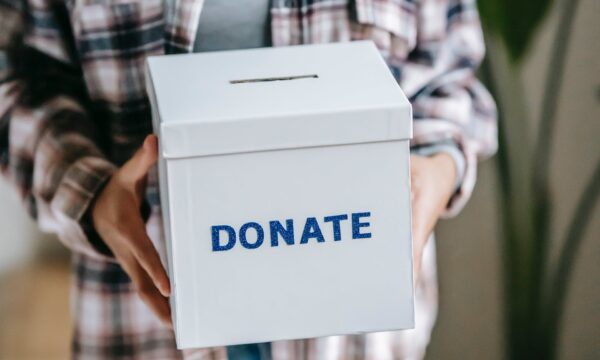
449,103
49,147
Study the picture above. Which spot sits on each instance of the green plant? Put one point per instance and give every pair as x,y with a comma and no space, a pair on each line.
535,288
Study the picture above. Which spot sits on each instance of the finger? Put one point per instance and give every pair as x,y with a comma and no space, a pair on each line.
144,251
418,237
153,298
417,253
417,270
144,158
146,289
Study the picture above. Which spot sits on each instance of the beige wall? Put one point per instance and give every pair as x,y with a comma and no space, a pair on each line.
17,232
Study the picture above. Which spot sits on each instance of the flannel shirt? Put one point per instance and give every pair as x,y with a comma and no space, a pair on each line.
58,151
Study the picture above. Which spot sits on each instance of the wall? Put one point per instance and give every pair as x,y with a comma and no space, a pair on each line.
469,324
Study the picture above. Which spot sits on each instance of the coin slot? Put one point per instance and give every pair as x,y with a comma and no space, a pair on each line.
278,78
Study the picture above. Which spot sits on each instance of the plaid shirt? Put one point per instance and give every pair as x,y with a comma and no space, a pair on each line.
59,152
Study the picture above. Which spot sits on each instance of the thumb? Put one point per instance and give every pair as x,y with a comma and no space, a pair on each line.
144,158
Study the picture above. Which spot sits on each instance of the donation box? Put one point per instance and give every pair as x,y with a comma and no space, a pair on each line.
285,192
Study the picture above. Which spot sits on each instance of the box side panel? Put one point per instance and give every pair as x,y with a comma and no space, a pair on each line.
165,206
182,219
163,183
316,286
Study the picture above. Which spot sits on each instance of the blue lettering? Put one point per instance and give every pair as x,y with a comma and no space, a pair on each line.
335,220
216,244
279,231
260,235
311,230
287,233
356,225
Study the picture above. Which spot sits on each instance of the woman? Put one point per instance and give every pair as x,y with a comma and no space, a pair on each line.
74,140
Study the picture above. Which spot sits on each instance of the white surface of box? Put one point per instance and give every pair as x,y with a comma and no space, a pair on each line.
284,179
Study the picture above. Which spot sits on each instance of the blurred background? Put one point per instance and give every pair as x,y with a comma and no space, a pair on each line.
472,253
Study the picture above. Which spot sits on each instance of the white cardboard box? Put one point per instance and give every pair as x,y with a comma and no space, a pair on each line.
302,153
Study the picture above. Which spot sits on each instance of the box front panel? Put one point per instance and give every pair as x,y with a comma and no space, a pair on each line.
292,244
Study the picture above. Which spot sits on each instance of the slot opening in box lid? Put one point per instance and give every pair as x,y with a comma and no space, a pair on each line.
274,78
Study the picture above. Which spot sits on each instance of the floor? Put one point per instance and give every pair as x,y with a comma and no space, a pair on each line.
34,310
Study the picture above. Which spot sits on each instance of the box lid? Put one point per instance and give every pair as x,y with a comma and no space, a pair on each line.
275,98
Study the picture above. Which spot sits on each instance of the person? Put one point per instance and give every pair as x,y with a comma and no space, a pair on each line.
74,140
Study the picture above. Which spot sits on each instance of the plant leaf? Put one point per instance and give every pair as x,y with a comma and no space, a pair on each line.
514,21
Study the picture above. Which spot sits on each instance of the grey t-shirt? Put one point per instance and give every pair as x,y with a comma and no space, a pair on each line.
233,24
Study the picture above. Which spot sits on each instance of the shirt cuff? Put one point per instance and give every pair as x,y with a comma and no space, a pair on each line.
82,183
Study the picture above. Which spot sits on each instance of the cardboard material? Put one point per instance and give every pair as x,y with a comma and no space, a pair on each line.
284,179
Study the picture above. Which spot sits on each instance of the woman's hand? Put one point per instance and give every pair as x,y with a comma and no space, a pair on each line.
432,185
117,218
